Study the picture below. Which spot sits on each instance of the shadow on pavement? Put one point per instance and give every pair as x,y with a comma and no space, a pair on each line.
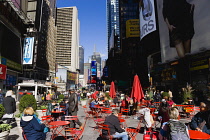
13,137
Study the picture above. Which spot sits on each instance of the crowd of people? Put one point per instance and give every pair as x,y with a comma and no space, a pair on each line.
167,112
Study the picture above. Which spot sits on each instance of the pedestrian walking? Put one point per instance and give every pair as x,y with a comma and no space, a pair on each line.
10,106
73,108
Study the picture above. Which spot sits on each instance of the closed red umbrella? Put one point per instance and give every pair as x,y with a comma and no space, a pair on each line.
137,93
112,92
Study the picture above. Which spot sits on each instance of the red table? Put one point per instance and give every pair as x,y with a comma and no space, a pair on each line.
198,135
57,112
58,124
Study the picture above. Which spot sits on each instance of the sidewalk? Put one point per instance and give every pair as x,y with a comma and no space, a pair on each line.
89,132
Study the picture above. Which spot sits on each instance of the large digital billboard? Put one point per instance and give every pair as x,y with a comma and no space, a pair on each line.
93,72
147,17
28,50
183,27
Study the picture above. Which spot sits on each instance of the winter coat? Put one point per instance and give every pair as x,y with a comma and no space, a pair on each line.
73,102
114,124
9,105
198,119
32,128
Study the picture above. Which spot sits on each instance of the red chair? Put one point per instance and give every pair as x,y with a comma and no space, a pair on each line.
77,133
133,132
125,111
108,136
44,112
46,119
24,136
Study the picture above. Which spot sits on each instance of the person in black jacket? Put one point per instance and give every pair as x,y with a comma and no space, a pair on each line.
200,121
114,124
9,105
73,108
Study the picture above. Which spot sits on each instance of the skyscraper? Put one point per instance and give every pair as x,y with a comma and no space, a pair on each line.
67,49
81,59
113,25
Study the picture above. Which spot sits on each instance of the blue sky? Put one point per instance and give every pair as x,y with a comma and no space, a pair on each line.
92,16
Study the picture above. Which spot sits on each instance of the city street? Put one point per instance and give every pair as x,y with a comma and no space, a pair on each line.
89,132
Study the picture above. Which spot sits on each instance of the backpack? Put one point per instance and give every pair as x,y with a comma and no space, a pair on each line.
177,130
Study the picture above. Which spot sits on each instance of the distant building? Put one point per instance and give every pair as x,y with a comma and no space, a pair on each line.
67,50
81,59
86,73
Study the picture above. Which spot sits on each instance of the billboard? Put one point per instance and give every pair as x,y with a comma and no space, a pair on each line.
93,67
28,50
132,28
147,17
183,27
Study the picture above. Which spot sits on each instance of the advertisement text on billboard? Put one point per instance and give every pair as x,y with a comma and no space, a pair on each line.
132,28
147,17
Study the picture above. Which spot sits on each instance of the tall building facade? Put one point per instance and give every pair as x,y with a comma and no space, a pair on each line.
87,70
81,59
67,48
113,25
51,41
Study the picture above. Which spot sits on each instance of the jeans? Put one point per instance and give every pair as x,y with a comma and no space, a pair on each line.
122,135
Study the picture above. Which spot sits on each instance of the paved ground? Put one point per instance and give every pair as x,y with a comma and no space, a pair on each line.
89,133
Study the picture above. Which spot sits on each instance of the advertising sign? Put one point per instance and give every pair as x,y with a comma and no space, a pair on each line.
132,28
93,67
147,17
28,50
3,71
183,27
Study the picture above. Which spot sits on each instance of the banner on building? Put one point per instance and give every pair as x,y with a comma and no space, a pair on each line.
28,50
186,23
3,71
147,17
132,28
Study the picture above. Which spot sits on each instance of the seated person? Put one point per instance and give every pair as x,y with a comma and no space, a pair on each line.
66,109
170,102
148,119
31,127
114,124
62,103
163,111
173,129
200,121
93,103
106,102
